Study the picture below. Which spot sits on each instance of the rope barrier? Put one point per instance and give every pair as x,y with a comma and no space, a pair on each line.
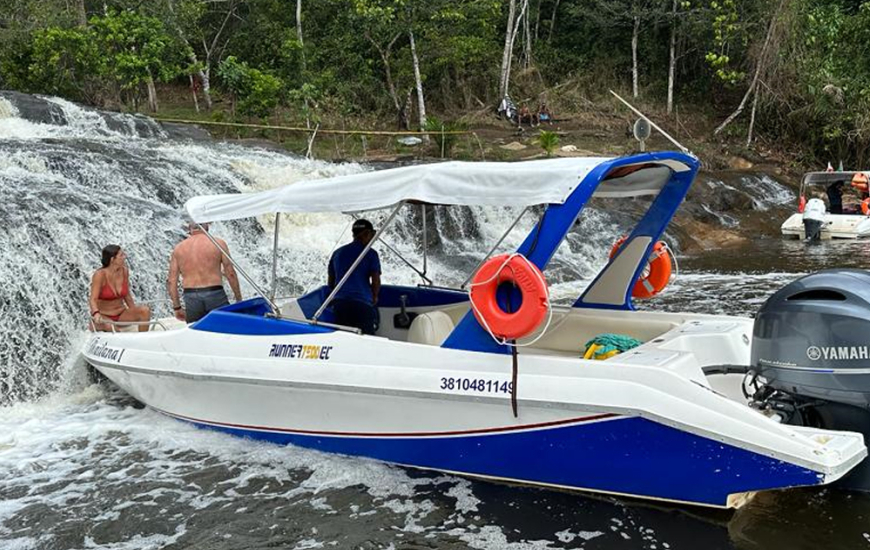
321,131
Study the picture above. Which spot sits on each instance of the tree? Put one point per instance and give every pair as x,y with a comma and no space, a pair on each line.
204,27
253,92
761,64
67,62
137,49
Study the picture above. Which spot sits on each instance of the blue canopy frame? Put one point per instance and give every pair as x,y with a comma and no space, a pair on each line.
542,242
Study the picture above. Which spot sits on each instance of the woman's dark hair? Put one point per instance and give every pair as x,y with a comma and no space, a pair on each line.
109,252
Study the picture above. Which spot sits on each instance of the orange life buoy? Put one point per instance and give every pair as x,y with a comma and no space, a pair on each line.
865,206
860,181
524,275
657,273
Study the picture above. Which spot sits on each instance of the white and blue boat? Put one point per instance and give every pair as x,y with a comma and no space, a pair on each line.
443,393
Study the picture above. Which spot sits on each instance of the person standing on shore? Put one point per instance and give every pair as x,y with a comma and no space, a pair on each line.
202,268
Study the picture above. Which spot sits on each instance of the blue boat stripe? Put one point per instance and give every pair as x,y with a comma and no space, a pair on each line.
626,455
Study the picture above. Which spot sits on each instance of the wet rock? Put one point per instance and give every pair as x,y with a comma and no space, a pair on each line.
696,235
514,146
35,109
739,163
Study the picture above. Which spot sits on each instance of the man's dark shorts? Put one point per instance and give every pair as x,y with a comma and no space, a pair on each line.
199,301
353,313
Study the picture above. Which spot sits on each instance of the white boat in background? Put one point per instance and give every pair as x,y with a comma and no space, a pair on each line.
447,392
852,223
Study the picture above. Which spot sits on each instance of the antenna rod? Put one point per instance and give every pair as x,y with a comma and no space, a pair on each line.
653,124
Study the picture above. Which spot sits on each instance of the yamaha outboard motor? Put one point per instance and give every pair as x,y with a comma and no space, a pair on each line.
811,356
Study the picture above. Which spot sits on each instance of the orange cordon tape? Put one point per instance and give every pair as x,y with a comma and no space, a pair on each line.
657,273
516,269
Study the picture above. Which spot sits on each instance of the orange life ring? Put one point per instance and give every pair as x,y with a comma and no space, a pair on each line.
531,282
860,181
657,273
865,206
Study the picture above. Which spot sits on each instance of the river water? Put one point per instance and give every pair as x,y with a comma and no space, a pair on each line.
84,466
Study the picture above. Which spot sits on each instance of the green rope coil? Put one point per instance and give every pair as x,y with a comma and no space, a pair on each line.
605,346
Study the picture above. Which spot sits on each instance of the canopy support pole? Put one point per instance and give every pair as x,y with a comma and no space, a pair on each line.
247,277
357,262
275,258
425,246
422,274
495,246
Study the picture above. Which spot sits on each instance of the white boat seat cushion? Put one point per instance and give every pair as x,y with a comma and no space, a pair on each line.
430,328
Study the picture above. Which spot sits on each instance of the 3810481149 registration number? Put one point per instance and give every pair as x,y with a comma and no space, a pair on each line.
480,385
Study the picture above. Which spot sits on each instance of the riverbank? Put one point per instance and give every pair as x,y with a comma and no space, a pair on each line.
584,125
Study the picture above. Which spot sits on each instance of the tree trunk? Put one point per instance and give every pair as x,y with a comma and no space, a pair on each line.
513,37
81,13
527,37
152,93
406,110
506,55
553,22
421,103
752,120
304,64
385,54
672,59
758,67
193,92
538,20
299,26
205,76
634,36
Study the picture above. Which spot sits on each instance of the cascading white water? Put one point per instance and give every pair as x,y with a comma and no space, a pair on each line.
759,191
94,178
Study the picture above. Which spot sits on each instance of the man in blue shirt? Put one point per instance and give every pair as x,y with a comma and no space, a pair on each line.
355,303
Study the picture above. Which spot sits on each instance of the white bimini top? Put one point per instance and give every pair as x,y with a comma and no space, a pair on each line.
517,184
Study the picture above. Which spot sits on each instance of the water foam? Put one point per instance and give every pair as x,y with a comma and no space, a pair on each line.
71,189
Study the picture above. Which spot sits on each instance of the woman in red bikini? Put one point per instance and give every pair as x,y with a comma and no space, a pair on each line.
111,299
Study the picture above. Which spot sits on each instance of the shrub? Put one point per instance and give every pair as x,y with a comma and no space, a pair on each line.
548,141
443,140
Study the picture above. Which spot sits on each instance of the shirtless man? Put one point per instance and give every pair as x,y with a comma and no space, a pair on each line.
202,267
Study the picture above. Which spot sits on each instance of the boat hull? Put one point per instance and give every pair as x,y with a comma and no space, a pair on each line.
581,425
597,453
837,226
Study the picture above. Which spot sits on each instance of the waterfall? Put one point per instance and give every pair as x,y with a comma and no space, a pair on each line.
75,180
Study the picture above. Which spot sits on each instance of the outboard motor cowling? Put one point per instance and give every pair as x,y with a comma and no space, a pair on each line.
811,355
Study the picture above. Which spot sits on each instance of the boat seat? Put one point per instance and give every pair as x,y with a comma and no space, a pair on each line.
430,328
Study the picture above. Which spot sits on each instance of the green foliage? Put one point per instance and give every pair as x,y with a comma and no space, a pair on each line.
548,141
442,140
115,53
815,93
66,62
254,93
135,48
728,29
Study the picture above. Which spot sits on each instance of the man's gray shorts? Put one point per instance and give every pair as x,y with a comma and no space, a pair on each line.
199,301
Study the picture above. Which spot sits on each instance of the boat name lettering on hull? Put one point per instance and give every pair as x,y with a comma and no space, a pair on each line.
299,351
103,351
